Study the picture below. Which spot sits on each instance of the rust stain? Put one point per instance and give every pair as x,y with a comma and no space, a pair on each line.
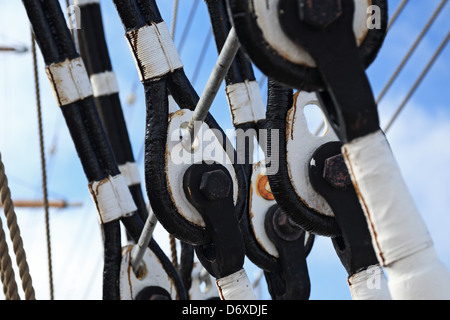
171,281
129,269
366,209
263,187
293,110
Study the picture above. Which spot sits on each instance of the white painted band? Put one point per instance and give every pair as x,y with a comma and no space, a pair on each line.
246,103
112,198
69,81
104,84
395,224
85,2
236,287
154,51
369,284
130,172
420,276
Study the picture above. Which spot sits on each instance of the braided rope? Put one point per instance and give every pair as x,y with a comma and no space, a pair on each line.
8,278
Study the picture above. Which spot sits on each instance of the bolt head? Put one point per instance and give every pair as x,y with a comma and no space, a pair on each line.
336,172
319,13
284,227
215,185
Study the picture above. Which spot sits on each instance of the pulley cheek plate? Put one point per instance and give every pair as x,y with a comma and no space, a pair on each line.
267,19
259,205
301,145
260,202
203,285
152,275
178,160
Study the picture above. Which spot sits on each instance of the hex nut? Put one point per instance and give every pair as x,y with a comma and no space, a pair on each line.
336,172
319,13
215,185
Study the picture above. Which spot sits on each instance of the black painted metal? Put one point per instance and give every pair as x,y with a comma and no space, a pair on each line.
135,14
209,188
95,54
82,119
292,281
280,100
268,60
354,247
348,100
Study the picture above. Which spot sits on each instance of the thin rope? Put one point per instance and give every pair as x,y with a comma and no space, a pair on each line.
188,25
396,14
173,250
408,54
411,50
418,81
43,166
201,58
174,18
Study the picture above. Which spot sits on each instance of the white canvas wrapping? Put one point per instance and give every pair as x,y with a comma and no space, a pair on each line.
154,51
395,224
112,198
400,237
69,81
246,104
85,2
369,284
236,286
421,276
130,172
104,84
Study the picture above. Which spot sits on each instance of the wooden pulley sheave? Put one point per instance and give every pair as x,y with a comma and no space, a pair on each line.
341,43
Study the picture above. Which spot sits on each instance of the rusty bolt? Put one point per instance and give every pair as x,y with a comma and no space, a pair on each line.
336,172
319,13
215,185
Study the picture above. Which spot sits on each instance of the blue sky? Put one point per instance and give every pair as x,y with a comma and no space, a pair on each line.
419,140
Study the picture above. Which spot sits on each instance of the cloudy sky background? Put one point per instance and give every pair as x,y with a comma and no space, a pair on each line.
419,138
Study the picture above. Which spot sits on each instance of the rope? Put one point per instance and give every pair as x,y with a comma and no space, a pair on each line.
173,250
396,14
418,81
411,51
43,165
187,26
174,18
6,268
7,272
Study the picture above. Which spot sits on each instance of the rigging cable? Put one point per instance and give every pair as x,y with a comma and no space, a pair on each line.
411,50
408,54
418,81
43,165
